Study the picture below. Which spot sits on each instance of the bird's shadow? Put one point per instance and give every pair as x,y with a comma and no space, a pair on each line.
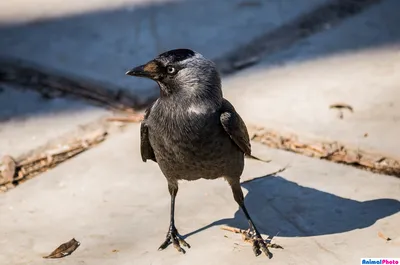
280,206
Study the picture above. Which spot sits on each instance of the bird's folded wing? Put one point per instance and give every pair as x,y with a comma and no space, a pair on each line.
235,127
146,150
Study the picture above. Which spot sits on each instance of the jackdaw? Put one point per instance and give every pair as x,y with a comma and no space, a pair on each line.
192,132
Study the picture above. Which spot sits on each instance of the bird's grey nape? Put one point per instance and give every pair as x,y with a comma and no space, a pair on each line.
199,75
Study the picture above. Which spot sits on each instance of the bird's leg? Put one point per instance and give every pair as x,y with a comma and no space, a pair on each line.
173,235
253,234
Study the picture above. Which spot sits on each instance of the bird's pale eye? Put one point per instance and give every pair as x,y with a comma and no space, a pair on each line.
171,70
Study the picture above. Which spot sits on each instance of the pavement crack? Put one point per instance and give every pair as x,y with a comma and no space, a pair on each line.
58,151
52,84
328,150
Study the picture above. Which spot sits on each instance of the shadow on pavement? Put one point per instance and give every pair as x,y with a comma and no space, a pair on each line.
101,45
279,206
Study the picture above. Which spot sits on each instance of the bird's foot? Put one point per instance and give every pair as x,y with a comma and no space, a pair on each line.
176,240
259,244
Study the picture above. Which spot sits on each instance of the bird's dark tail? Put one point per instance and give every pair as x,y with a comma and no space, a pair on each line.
259,159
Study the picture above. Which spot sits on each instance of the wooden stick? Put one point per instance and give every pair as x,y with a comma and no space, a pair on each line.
233,229
244,233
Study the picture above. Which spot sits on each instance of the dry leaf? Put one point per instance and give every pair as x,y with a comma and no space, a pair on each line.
8,170
64,250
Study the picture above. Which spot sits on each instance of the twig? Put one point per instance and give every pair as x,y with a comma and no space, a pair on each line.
233,229
245,233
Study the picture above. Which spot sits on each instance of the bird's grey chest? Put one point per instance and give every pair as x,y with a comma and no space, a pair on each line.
181,135
188,139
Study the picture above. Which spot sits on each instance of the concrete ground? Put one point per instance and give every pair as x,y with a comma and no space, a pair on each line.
28,121
101,40
356,63
118,207
104,43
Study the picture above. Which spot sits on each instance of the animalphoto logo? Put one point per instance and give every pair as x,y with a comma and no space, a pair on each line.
392,261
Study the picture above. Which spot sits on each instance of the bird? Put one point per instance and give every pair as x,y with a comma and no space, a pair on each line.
192,132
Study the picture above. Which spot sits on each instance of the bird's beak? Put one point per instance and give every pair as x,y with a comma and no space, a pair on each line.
149,70
137,71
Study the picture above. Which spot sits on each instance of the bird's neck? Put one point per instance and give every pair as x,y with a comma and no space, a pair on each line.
189,96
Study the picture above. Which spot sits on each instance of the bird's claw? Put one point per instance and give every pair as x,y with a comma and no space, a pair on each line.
259,247
259,244
176,240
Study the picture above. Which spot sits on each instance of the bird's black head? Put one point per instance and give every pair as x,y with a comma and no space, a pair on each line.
180,71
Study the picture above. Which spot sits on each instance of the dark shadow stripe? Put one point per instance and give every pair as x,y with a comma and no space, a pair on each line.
286,35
